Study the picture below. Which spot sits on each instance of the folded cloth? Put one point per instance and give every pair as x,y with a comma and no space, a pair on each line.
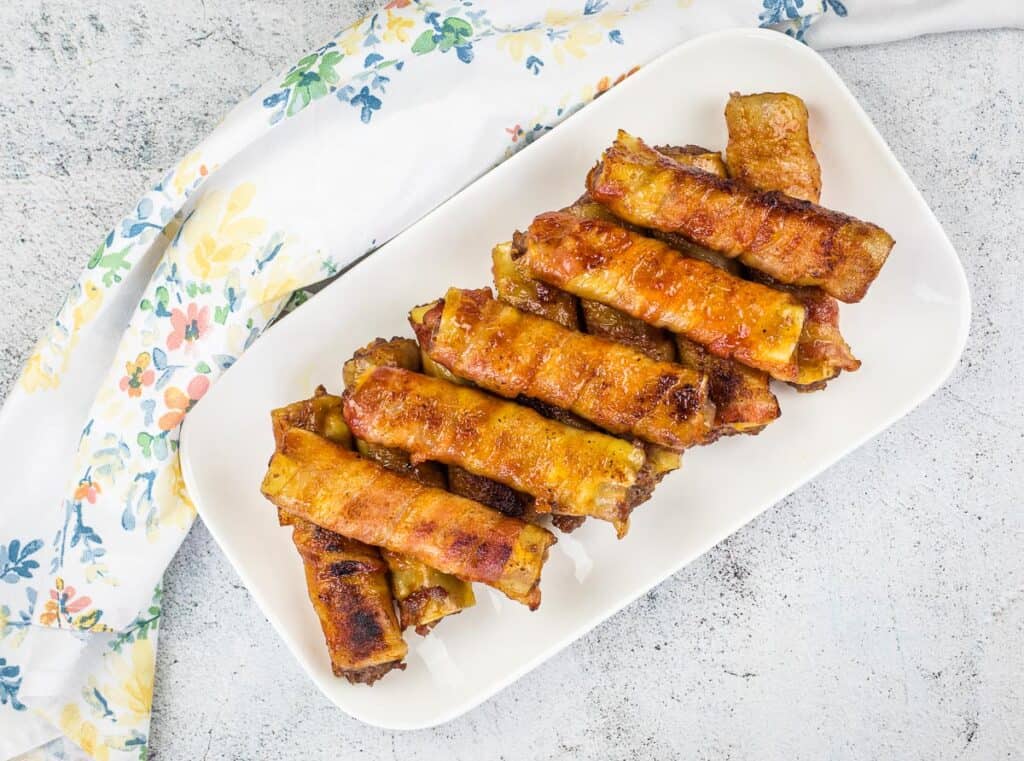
322,164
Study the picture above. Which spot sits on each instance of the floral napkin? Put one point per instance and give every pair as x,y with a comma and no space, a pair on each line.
352,144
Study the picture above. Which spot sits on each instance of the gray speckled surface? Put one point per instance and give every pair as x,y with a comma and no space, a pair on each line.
876,613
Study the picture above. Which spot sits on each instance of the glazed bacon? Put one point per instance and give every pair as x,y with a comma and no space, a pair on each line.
348,587
566,470
770,146
514,353
424,595
321,482
770,149
647,279
744,402
790,240
347,580
516,287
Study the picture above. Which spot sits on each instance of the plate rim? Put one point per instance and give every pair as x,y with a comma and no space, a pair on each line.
956,348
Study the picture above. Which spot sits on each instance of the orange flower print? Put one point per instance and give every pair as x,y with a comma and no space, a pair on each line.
138,374
63,610
188,326
87,491
179,402
397,4
604,84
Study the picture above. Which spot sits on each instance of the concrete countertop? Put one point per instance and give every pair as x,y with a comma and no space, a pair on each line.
876,613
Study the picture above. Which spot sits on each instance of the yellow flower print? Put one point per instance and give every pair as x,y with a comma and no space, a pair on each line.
517,44
276,282
556,18
610,19
575,44
92,300
396,28
188,170
37,376
47,363
176,507
83,733
218,236
350,41
131,692
49,359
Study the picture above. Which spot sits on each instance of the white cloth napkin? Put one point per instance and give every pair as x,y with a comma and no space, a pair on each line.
323,163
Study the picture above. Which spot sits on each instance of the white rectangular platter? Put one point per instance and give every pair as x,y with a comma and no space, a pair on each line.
909,332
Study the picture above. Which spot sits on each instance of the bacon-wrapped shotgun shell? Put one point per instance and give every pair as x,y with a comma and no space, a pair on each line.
567,470
744,402
347,583
424,595
347,580
647,279
793,241
396,352
770,145
337,489
321,414
513,353
770,149
516,287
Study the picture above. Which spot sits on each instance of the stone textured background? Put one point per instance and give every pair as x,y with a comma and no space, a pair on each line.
876,613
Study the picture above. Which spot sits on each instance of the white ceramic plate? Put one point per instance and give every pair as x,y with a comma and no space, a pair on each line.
909,332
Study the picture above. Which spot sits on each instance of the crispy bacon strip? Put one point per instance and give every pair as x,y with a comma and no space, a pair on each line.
348,587
514,353
347,581
744,402
770,149
790,240
398,352
703,159
647,279
424,595
511,281
505,500
608,322
332,487
565,469
770,146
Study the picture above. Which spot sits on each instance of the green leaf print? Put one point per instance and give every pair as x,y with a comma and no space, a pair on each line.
424,43
112,264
